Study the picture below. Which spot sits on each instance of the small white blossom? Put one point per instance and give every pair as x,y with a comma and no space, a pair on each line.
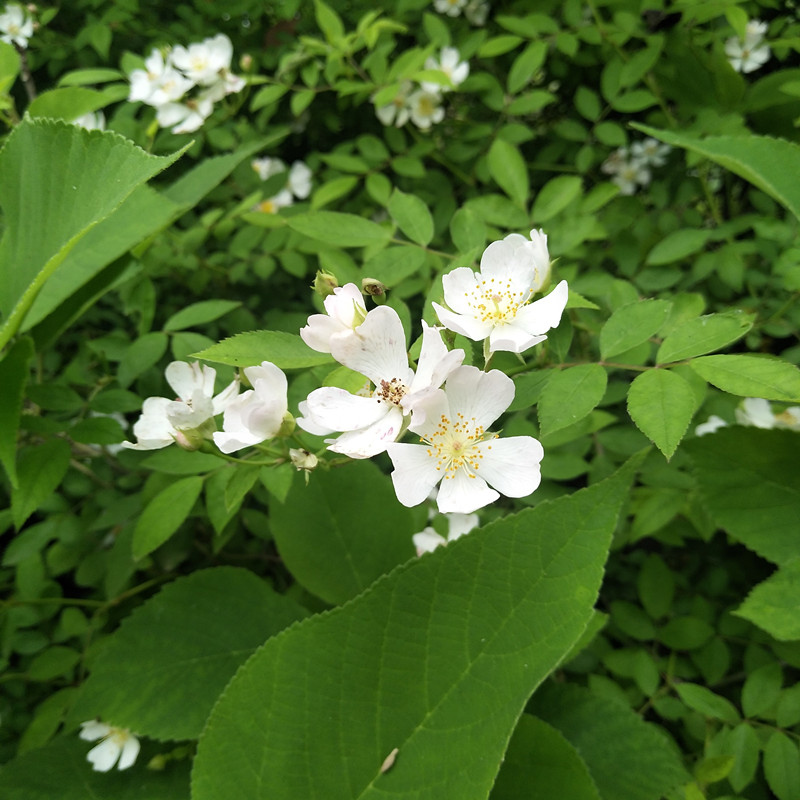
300,180
452,8
158,83
495,302
267,167
711,425
425,109
118,746
448,63
204,63
427,540
477,12
397,112
650,152
184,117
755,412
91,121
629,171
257,414
273,204
748,54
458,450
345,312
16,27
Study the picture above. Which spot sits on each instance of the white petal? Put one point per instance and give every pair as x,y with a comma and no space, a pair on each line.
377,348
226,396
94,729
130,750
153,430
368,442
435,362
459,524
465,324
458,286
317,333
104,755
512,338
427,541
185,378
338,410
464,493
479,396
414,473
509,260
511,465
539,317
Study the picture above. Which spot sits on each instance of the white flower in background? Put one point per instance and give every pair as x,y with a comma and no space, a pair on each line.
164,421
206,62
458,450
345,312
397,112
495,302
748,54
650,152
448,62
184,117
118,746
158,83
273,204
300,180
425,109
757,412
91,121
477,12
711,425
257,414
628,171
427,540
267,167
376,349
16,27
450,7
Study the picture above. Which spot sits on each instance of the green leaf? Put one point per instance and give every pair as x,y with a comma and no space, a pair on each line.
627,758
199,314
525,65
569,395
545,763
467,230
68,103
705,702
770,164
761,689
267,95
164,514
774,605
40,469
162,671
661,404
285,350
656,586
412,216
328,21
338,229
555,196
436,660
9,66
677,245
58,172
751,376
508,168
782,766
333,190
632,324
14,372
742,743
142,354
393,265
336,541
60,769
175,461
750,485
702,335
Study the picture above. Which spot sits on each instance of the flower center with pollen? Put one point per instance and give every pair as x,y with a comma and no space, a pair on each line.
496,300
453,445
391,391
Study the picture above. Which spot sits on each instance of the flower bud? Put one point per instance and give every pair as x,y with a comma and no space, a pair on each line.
246,62
373,287
324,283
287,426
302,459
189,440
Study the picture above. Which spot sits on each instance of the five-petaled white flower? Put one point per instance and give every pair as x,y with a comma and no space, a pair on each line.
448,62
206,62
458,450
346,311
397,112
16,27
184,117
450,7
425,108
427,540
118,746
257,414
650,152
164,421
750,53
376,349
495,302
159,82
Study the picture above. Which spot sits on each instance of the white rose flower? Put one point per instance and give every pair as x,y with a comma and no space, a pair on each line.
345,312
397,112
425,109
204,62
118,746
16,27
448,62
746,56
158,83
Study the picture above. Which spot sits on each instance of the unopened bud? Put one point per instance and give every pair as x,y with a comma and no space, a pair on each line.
246,62
157,763
189,440
324,283
373,287
287,425
302,459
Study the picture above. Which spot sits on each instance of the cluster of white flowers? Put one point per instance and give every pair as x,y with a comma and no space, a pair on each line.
169,76
449,406
750,53
297,187
423,104
755,412
117,746
630,166
476,11
16,27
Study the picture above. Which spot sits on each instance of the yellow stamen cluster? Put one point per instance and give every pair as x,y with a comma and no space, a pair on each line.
452,444
391,391
495,300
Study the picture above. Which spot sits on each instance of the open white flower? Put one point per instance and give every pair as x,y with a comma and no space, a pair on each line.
425,108
346,311
458,450
118,746
397,112
448,62
163,421
450,7
427,540
257,414
273,204
267,167
748,55
204,62
376,349
158,83
298,180
495,302
650,152
16,27
184,117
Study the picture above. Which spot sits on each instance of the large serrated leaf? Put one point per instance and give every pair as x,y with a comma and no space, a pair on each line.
702,335
285,350
751,376
161,672
435,660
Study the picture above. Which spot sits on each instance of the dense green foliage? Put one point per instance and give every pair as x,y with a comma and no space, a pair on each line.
628,631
